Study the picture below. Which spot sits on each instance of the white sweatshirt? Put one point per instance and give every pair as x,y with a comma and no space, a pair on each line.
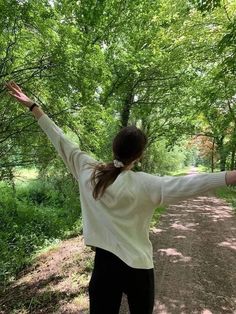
119,221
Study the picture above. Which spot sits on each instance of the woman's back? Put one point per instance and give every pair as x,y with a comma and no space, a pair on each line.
119,221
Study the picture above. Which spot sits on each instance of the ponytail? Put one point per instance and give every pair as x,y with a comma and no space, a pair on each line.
103,175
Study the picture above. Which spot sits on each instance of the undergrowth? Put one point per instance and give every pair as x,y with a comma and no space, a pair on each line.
33,216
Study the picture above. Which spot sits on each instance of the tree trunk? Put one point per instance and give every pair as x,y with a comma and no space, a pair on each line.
125,114
212,156
222,163
232,162
222,152
233,147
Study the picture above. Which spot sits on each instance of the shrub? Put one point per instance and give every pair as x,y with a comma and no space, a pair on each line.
34,216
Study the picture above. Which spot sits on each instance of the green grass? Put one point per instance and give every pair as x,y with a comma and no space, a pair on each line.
157,214
202,168
180,172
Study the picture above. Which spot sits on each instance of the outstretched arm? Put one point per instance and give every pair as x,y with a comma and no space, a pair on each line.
70,152
170,190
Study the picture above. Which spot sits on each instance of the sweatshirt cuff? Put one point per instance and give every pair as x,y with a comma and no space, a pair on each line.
218,179
44,121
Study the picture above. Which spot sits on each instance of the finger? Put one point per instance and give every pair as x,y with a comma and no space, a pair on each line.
9,84
15,96
16,86
13,89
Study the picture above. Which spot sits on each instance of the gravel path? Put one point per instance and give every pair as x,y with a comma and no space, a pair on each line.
195,259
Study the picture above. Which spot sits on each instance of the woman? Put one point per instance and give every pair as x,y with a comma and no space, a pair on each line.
117,207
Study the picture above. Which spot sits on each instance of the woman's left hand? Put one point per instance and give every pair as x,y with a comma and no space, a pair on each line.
16,92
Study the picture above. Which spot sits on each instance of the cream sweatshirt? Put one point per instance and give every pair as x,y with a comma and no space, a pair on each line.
120,220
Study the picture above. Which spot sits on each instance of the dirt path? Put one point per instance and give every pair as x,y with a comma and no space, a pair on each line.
195,267
195,258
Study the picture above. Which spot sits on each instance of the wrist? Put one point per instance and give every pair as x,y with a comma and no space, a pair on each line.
31,108
29,104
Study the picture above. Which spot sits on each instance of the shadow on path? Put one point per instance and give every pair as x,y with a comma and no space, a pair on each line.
195,258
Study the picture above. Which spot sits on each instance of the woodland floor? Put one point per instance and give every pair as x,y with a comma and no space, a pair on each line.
194,248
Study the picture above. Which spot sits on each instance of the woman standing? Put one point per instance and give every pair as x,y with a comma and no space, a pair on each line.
117,206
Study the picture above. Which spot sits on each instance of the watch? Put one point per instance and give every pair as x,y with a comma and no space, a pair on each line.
32,106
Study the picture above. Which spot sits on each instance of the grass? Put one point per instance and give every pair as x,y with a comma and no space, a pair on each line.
180,172
157,214
202,168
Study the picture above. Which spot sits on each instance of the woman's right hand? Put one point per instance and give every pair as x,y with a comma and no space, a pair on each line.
16,92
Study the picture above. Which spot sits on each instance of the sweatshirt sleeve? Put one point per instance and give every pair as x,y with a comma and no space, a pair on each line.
170,190
70,152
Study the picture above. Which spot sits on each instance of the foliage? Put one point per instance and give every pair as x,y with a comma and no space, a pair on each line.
164,160
156,216
34,217
94,67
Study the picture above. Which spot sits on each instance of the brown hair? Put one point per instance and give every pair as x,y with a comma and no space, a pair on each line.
128,145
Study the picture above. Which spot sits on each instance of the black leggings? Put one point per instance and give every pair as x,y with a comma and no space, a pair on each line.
111,277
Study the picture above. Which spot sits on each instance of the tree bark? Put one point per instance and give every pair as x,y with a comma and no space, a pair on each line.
212,156
125,114
232,162
222,152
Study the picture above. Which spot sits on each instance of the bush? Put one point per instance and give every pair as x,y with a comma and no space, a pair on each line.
160,160
31,218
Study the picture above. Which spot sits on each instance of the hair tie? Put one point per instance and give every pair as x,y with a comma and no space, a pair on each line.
118,164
